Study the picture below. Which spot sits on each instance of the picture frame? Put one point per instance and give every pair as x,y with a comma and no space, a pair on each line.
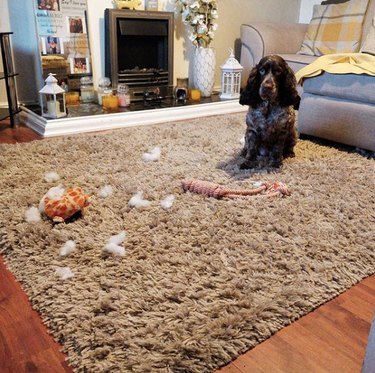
51,45
79,65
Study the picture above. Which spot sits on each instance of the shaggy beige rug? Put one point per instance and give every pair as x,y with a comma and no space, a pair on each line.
201,281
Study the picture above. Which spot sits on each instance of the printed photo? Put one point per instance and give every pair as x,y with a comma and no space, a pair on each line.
52,45
53,5
76,25
79,65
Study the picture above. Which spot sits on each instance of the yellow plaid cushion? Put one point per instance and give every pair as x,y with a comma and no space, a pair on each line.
335,28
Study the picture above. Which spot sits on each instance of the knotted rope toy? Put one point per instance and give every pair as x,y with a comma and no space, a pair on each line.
208,189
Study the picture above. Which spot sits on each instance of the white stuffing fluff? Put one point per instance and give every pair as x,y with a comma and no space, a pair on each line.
242,140
113,245
50,177
53,193
67,248
32,215
167,202
114,249
106,191
138,201
257,184
64,273
118,238
153,155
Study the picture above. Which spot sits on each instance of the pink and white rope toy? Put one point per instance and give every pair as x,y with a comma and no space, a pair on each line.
208,189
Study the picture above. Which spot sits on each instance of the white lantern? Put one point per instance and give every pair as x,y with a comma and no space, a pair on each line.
52,99
231,78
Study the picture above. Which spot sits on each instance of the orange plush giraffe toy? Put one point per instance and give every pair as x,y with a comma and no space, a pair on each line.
72,201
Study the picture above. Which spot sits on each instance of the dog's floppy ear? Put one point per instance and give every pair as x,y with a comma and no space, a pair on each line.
288,94
250,95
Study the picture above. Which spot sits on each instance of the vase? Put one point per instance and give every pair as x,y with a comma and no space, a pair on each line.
204,70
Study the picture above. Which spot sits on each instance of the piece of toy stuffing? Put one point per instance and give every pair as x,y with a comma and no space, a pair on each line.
138,201
64,272
32,215
68,247
113,245
167,202
153,155
52,193
106,191
51,177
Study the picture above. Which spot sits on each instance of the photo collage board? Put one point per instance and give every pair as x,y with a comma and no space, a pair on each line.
63,37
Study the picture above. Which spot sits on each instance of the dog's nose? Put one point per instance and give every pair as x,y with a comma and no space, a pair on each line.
268,82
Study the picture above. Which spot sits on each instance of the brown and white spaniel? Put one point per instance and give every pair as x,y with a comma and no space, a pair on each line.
272,97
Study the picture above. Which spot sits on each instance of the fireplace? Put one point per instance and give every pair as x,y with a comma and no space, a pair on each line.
139,50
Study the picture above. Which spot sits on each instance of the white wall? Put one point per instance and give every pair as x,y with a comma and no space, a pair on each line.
307,10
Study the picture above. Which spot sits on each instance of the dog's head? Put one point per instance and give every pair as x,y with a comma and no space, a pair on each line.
271,80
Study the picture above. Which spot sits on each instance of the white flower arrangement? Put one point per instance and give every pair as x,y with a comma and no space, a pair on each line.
201,15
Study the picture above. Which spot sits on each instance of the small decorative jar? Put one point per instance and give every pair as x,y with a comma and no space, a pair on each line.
104,89
151,5
123,95
110,102
72,98
181,90
87,90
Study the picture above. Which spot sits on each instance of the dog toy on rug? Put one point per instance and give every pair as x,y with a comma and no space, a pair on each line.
208,189
71,201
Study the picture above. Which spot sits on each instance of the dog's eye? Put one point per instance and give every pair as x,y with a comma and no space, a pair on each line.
277,71
262,71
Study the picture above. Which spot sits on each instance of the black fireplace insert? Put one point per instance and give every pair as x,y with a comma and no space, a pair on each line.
139,50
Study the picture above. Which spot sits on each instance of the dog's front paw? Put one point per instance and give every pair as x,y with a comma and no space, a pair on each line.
275,164
248,165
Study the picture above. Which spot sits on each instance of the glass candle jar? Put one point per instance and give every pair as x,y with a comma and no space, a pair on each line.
104,89
72,98
110,102
123,95
87,89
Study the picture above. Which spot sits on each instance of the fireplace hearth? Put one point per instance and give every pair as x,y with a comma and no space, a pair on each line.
139,50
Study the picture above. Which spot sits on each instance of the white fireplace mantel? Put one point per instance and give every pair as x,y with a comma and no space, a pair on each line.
102,122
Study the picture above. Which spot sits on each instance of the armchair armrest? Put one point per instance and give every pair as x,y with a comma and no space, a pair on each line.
264,38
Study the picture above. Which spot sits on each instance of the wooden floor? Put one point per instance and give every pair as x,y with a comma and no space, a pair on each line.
331,339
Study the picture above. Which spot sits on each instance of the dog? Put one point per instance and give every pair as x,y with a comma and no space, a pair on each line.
271,93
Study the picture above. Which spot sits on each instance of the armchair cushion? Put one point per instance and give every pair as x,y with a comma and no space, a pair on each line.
351,87
335,28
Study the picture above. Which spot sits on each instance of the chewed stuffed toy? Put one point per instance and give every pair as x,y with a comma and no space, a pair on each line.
69,203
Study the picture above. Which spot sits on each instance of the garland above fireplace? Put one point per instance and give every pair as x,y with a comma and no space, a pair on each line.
139,50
